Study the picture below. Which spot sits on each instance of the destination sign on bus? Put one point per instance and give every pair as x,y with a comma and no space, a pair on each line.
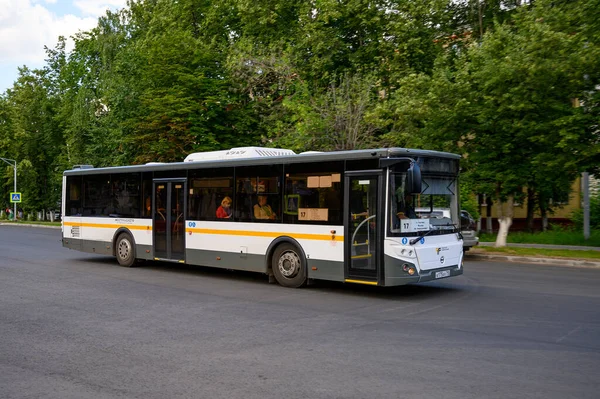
412,225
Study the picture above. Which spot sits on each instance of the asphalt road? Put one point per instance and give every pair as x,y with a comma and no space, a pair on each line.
76,325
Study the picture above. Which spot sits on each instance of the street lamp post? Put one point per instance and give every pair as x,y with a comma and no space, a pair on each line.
8,161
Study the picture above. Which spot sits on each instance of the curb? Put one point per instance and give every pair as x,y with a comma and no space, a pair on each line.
544,246
540,261
29,225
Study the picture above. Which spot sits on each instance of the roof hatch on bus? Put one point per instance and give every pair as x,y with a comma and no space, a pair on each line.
237,153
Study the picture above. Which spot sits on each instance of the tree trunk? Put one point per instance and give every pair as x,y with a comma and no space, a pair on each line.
544,215
488,221
480,15
479,208
505,219
530,209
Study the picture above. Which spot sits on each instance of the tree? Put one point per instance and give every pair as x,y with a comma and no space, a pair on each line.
507,104
338,118
35,139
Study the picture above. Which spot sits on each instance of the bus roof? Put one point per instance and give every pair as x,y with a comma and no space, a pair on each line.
288,158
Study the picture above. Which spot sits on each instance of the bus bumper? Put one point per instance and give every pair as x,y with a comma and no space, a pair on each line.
395,275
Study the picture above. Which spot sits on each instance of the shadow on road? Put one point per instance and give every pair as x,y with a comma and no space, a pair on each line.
411,291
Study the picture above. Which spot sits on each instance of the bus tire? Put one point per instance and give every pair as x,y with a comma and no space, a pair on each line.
289,266
125,250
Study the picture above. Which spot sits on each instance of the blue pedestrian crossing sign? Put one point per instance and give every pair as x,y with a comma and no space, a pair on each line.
15,197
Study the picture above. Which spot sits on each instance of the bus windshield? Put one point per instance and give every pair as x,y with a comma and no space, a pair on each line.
433,211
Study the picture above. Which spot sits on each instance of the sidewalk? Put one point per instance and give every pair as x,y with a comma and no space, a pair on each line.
474,255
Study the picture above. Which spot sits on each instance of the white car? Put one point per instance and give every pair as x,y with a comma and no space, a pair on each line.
467,223
468,230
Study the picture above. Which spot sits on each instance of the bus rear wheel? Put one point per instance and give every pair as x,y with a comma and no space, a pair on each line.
289,266
125,250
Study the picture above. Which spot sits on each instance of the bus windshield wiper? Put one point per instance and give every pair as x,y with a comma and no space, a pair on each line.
415,240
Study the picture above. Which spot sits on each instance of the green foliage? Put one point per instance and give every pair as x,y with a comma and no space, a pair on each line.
468,199
506,103
557,236
493,80
337,118
524,75
34,139
577,215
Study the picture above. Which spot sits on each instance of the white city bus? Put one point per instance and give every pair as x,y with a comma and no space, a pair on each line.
341,216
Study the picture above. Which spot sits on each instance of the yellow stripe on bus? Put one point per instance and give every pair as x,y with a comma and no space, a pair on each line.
269,234
361,282
107,226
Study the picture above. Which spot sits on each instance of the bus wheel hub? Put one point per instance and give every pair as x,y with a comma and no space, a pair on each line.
289,264
123,249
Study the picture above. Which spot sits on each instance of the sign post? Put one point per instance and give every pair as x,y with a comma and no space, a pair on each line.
15,198
13,163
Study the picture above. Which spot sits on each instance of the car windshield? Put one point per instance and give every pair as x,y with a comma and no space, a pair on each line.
435,208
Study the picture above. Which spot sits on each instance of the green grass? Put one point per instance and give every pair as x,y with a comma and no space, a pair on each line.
536,252
554,237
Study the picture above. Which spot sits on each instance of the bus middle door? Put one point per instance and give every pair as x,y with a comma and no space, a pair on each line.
168,218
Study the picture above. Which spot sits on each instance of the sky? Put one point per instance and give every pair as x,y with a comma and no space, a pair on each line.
26,26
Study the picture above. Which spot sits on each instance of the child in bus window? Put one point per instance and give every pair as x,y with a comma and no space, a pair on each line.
224,211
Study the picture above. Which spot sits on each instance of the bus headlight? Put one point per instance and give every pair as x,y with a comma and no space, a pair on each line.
408,269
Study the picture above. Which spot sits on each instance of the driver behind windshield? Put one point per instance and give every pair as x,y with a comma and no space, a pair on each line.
406,209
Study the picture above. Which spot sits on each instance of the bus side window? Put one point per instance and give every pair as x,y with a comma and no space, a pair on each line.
245,199
125,195
207,204
96,195
73,205
314,187
258,193
206,194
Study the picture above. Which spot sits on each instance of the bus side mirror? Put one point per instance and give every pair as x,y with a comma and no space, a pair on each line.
413,179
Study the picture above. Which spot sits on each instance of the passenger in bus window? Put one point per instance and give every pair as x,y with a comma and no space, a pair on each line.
224,211
148,206
358,209
406,209
262,210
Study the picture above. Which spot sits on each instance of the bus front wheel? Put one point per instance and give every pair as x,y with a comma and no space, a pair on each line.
289,266
125,250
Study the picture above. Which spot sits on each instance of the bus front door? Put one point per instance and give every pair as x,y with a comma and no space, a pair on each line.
363,227
168,218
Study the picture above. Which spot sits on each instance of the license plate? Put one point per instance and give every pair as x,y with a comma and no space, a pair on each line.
442,274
